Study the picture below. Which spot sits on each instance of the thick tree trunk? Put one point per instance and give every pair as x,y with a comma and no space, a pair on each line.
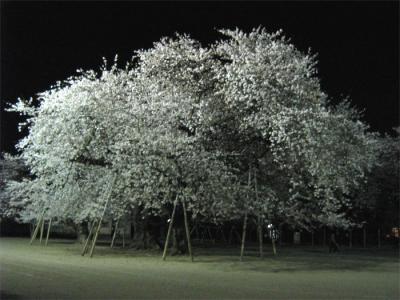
147,232
81,232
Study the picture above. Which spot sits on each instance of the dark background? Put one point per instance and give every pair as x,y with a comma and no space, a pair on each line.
357,44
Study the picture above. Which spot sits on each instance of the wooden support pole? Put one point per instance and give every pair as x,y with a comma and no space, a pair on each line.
95,236
115,233
38,224
187,230
171,222
102,216
245,221
48,231
86,246
41,231
243,236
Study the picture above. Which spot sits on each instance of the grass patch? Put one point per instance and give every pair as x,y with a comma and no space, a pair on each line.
59,272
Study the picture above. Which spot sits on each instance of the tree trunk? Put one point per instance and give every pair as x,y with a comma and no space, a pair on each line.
273,246
81,232
147,232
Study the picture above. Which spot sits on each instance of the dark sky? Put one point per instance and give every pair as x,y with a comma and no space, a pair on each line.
357,43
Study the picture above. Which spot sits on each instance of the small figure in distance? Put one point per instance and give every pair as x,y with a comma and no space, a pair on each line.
333,246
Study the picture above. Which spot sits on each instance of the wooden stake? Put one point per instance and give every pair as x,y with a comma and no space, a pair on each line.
36,229
96,234
243,236
187,230
41,230
245,222
102,216
115,234
48,231
86,246
169,230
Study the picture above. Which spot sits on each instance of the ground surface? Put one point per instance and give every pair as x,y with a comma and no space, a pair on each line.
59,272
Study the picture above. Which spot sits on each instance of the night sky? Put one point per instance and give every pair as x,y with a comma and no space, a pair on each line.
357,44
